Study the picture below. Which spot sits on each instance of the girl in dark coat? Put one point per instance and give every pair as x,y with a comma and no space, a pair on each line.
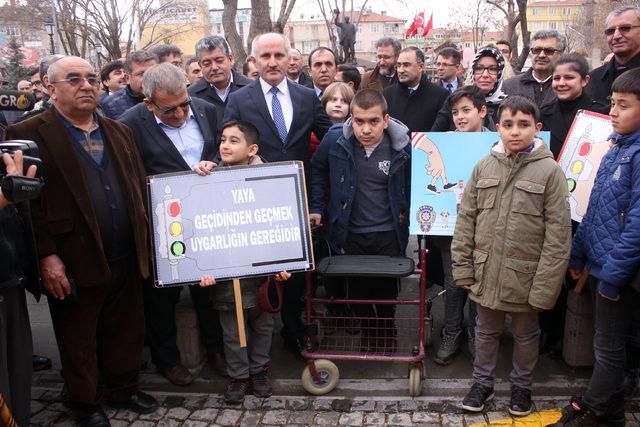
570,77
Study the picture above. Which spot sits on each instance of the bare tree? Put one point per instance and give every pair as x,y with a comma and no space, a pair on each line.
230,31
515,13
476,18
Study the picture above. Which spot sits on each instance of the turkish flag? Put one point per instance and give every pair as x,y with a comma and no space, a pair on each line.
411,31
428,27
419,21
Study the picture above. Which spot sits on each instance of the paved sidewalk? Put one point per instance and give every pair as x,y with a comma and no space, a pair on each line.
200,409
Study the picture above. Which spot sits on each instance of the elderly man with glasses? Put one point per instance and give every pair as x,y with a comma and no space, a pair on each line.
535,83
173,133
92,243
622,30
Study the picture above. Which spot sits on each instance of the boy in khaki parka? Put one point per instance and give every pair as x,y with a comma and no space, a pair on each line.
511,248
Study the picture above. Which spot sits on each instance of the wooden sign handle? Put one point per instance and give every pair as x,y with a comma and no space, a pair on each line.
582,280
237,296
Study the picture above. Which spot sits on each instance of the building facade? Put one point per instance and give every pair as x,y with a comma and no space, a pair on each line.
178,23
560,15
307,33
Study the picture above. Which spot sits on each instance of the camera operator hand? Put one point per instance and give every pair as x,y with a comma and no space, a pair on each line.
14,167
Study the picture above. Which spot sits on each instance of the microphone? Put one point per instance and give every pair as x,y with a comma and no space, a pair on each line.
14,100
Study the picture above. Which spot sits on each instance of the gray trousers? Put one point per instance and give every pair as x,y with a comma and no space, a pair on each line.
526,333
454,297
16,350
243,362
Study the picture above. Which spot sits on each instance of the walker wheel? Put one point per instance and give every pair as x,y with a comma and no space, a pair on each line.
328,377
415,381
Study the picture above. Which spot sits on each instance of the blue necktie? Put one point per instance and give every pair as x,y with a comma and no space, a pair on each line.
450,87
278,117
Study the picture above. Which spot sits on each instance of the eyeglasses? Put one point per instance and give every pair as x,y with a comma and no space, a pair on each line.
480,69
170,111
79,81
623,29
547,50
444,64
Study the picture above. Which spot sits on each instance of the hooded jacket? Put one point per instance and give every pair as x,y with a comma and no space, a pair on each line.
334,167
513,233
444,120
607,242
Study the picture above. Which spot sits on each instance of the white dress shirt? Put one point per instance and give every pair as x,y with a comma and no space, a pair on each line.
283,96
223,95
187,139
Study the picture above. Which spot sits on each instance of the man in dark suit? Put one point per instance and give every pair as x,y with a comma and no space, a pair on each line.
173,133
286,114
219,79
92,242
414,100
284,136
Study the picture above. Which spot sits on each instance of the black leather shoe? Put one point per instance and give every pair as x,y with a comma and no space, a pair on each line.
41,363
139,402
96,418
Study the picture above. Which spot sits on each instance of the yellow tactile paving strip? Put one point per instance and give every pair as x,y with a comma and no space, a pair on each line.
535,419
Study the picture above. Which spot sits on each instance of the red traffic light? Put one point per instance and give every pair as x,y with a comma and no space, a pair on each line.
174,209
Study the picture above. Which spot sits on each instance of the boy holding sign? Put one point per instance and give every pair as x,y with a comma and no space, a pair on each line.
469,108
247,366
365,164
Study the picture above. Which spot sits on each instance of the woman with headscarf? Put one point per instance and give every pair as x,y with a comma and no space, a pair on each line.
487,70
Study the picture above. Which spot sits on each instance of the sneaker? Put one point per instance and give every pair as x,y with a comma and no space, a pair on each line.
449,348
449,186
471,342
520,404
432,189
260,383
236,390
576,414
477,397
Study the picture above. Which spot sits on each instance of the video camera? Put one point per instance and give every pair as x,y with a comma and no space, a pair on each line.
20,188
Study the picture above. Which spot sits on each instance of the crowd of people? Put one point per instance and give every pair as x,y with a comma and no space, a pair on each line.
84,242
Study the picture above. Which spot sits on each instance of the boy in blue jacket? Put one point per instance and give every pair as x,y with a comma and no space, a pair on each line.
365,164
607,245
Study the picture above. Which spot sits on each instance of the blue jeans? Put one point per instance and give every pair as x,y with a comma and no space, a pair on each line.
614,321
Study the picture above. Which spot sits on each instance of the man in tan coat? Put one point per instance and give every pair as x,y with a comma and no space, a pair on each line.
511,248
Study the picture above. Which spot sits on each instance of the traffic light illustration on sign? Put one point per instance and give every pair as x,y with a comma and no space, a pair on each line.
170,230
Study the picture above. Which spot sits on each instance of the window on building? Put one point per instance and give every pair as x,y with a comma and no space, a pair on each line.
359,28
358,46
241,29
553,25
12,31
537,25
566,11
535,11
374,28
219,28
391,28
552,11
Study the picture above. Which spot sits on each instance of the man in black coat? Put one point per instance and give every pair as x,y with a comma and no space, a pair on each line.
622,30
174,133
219,79
414,100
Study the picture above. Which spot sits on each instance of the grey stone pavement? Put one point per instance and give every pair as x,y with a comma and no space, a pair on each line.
368,393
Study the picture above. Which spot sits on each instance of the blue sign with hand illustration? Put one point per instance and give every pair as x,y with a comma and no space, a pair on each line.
441,164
